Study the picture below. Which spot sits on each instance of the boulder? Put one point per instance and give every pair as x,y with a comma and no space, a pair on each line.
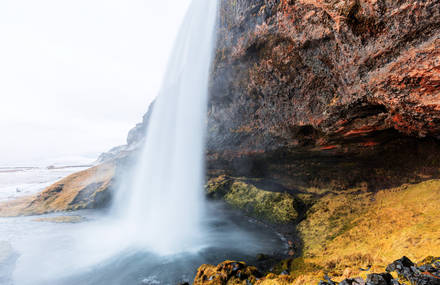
254,199
228,272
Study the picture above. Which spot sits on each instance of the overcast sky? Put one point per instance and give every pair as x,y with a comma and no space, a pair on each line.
76,75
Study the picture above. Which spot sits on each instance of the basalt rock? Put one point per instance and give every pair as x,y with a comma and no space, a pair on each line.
381,279
372,279
428,273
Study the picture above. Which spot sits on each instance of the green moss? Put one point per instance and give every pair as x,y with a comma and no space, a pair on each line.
272,206
217,187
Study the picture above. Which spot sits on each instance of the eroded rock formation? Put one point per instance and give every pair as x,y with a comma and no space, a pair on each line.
315,91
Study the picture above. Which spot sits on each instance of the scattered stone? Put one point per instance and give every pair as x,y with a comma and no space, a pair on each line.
426,274
379,279
353,281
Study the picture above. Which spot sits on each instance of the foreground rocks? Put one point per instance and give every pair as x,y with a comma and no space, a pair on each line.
399,272
228,272
428,273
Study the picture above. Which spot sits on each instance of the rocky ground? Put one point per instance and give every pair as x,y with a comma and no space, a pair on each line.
401,271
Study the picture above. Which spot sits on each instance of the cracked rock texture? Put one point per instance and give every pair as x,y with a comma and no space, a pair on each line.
348,84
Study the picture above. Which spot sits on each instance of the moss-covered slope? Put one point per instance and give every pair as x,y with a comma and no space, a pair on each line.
344,231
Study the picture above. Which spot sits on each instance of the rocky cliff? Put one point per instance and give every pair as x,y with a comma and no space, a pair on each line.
335,103
331,94
320,92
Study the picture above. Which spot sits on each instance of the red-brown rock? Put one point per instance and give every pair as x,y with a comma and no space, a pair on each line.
348,81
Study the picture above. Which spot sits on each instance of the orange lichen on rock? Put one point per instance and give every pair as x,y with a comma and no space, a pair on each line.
237,273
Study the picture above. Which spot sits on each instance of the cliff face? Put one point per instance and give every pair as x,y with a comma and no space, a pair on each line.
351,85
337,102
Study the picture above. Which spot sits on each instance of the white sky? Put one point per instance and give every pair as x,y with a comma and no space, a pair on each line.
76,75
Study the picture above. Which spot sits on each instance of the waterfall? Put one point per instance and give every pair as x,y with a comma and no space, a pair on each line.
164,203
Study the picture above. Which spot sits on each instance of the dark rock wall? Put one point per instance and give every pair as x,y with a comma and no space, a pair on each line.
335,90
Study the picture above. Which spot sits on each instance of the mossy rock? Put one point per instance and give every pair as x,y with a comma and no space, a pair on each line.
275,207
217,188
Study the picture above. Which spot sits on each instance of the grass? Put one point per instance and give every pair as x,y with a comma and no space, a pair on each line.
353,229
347,230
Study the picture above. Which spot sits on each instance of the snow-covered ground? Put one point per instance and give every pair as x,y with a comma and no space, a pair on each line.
18,181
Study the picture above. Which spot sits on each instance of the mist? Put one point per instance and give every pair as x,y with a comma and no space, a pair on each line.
75,76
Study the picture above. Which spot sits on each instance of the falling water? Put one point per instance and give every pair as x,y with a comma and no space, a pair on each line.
165,200
161,210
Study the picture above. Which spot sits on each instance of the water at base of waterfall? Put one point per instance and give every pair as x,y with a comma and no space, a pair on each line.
69,253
